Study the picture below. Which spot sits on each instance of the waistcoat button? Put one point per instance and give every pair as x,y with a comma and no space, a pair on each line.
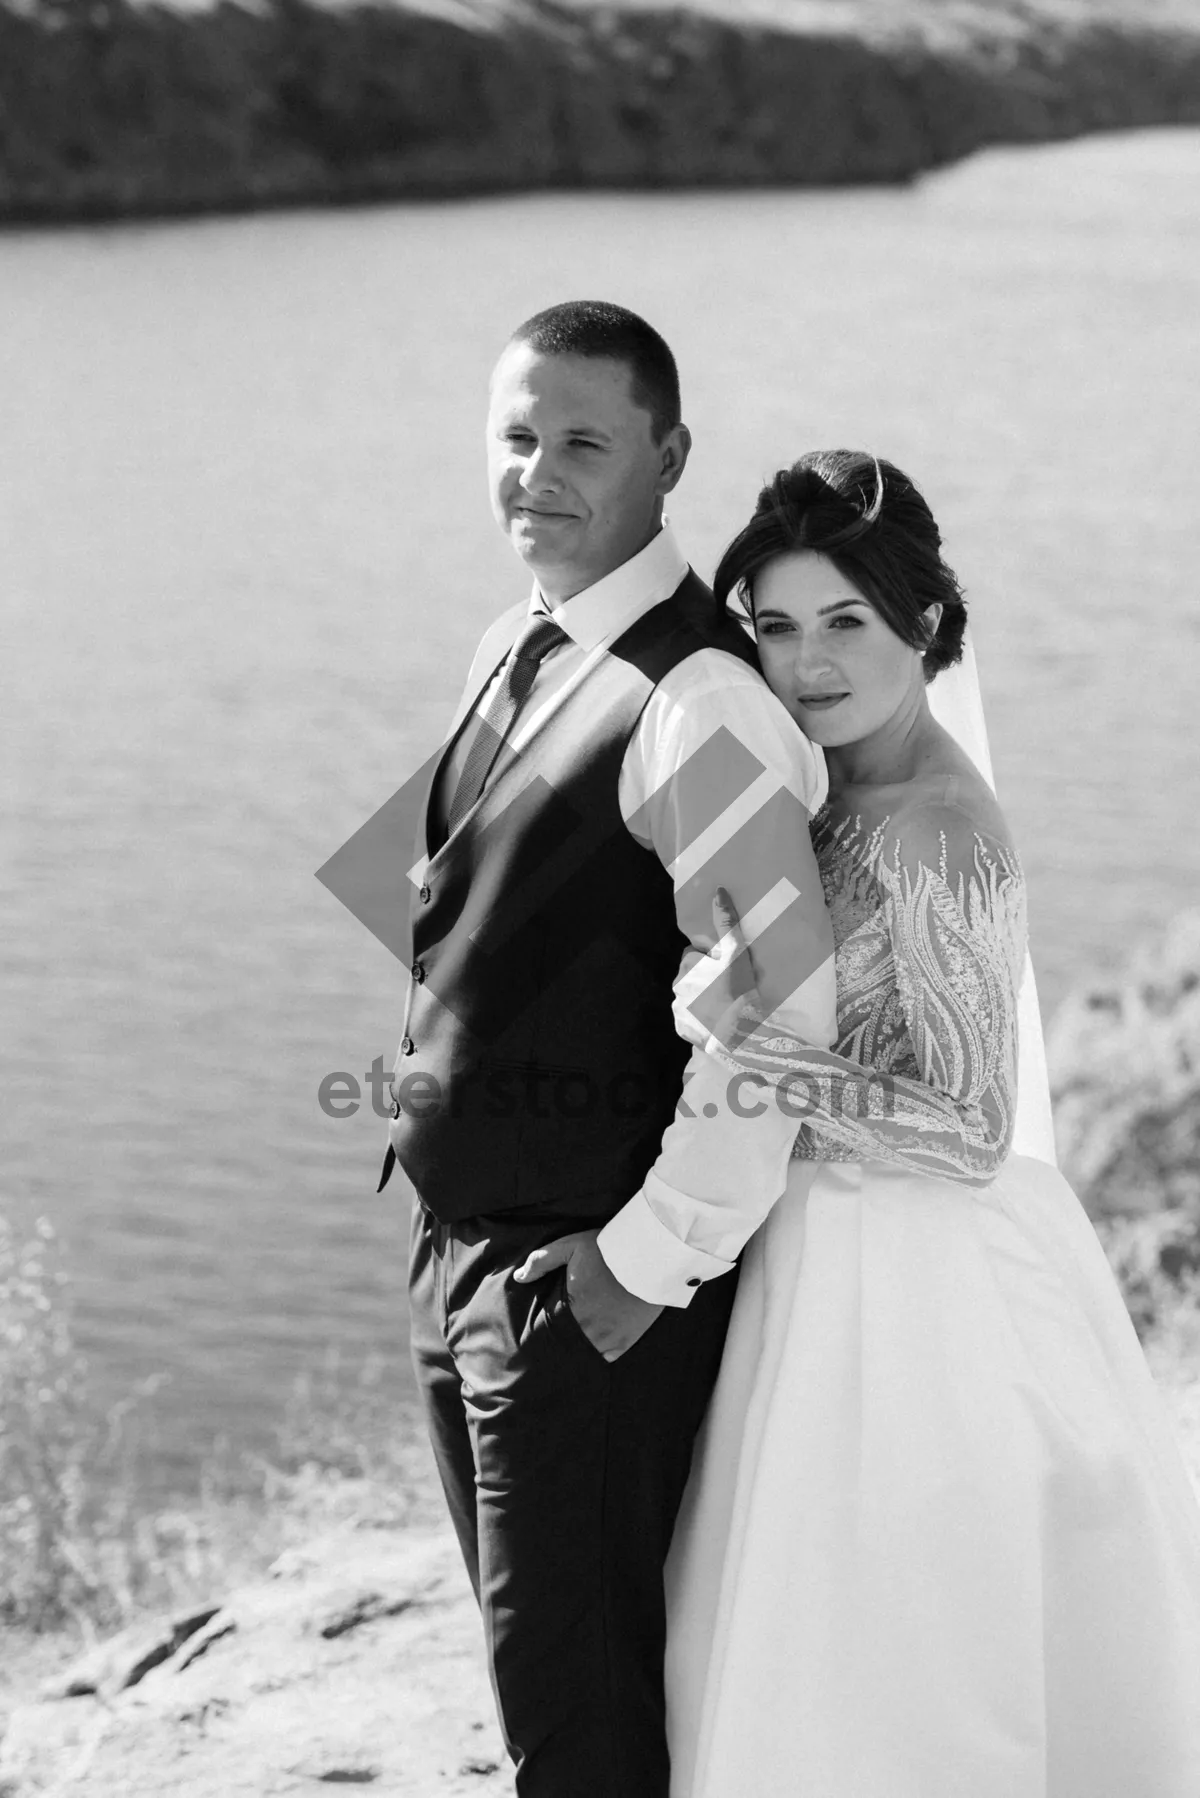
407,1046
424,895
418,972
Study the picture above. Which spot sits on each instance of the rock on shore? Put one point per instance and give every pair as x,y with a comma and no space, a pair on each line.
113,107
356,1660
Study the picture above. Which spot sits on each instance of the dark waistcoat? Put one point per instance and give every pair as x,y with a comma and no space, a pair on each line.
541,1063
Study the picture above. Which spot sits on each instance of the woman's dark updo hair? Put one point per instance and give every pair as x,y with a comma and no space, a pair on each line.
876,529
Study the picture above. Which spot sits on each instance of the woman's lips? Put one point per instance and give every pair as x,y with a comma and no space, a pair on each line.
820,702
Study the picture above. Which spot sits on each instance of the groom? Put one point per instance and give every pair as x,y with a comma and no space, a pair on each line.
616,758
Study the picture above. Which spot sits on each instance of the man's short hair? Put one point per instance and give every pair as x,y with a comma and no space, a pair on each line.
598,328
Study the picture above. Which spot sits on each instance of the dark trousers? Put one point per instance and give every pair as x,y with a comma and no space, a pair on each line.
563,1474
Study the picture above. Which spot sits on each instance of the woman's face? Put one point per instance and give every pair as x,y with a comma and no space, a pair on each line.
826,653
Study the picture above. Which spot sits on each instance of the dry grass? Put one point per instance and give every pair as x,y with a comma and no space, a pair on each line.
81,1554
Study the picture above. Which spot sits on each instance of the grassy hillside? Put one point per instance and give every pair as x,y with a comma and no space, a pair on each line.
109,108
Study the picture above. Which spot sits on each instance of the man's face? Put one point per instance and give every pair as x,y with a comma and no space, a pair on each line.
577,480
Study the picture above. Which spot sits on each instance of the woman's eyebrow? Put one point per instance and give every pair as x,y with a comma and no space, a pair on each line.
840,605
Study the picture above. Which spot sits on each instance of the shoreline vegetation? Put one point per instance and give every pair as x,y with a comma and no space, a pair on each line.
115,109
324,1576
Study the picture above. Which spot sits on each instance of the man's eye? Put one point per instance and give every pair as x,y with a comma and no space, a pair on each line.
583,443
518,437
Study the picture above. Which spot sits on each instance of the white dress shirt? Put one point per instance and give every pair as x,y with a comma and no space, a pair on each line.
724,1157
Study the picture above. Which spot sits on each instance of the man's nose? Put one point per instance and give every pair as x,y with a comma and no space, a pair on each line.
540,472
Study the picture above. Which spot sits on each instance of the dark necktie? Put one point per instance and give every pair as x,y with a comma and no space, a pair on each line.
538,638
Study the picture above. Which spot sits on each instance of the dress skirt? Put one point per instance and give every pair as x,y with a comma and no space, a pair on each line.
938,1541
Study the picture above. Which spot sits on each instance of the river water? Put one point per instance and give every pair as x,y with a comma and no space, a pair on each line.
245,552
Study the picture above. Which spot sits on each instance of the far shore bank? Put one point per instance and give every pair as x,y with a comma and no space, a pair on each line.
114,109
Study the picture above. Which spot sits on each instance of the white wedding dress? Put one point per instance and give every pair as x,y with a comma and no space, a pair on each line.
938,1541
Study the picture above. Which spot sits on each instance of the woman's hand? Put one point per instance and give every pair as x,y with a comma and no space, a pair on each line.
611,1317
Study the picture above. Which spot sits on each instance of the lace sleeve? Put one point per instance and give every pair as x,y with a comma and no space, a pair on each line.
955,908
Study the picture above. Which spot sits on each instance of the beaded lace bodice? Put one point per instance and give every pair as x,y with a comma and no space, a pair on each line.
927,904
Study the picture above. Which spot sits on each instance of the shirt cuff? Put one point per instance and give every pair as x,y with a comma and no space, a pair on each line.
650,1261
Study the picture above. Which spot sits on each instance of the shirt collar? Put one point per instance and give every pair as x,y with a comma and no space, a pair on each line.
601,611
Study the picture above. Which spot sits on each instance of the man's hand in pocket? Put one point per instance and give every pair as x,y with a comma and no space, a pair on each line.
611,1317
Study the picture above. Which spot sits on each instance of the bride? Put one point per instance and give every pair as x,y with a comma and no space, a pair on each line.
938,1541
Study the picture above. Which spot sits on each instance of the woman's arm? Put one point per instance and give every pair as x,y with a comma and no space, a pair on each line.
955,914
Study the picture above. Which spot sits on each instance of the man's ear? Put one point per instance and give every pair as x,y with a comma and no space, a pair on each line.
674,450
